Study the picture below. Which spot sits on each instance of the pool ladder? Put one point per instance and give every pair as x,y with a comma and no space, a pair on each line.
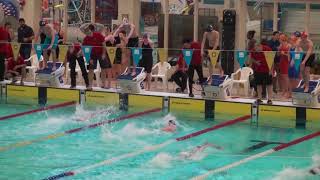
254,115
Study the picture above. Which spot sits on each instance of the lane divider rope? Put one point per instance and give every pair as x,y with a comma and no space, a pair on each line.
147,149
256,156
56,106
76,130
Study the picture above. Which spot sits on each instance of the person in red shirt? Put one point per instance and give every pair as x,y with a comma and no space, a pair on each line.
4,48
195,64
262,74
97,41
74,54
15,68
180,77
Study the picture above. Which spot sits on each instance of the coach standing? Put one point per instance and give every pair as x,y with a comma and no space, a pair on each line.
25,37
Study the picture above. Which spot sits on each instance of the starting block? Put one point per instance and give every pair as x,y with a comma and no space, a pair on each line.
47,77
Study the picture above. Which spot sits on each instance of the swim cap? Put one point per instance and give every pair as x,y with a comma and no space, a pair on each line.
297,34
209,28
304,34
42,23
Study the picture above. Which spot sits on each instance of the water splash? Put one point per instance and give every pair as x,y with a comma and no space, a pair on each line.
161,160
297,174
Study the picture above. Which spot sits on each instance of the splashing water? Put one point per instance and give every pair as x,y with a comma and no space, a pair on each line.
297,174
161,160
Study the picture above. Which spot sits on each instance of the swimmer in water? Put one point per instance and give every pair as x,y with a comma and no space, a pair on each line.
171,126
315,171
198,149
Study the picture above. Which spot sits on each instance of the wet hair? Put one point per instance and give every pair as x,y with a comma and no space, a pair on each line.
91,27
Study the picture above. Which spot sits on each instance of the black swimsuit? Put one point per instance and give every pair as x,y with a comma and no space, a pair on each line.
147,59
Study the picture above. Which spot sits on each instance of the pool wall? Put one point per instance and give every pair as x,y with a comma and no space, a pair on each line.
283,116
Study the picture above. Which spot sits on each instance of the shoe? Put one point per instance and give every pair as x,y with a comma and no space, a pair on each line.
269,102
258,101
191,95
72,87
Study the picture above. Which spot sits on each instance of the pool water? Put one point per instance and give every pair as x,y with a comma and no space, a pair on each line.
73,151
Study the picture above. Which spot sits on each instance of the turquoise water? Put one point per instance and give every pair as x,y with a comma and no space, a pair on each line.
70,152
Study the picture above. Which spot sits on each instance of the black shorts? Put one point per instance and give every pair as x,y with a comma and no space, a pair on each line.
146,64
133,42
262,78
310,61
103,62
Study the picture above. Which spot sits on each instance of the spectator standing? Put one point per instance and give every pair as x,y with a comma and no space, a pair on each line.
147,59
274,44
284,57
25,37
5,48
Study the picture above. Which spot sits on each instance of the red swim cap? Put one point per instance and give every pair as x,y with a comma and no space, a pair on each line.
304,34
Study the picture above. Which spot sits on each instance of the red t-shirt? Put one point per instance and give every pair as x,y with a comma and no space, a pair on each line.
196,56
4,37
96,40
12,63
260,57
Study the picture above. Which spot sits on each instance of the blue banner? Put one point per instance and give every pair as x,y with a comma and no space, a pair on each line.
136,55
38,49
187,55
241,57
297,60
86,50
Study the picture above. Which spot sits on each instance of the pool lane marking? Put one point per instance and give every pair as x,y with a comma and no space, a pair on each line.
260,145
147,149
256,156
76,130
56,106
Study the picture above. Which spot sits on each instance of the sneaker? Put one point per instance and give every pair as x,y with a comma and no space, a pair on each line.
269,102
191,95
72,87
178,90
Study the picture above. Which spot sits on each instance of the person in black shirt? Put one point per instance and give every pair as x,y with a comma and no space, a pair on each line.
25,36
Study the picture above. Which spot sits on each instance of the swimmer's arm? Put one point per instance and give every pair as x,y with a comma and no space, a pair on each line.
132,29
203,42
309,52
216,43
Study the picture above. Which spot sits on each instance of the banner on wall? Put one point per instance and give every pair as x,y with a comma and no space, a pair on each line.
86,50
297,60
187,55
62,52
270,58
111,53
15,49
163,54
136,55
214,56
38,49
241,57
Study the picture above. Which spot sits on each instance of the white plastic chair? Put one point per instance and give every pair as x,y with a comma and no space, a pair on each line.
244,79
162,69
34,66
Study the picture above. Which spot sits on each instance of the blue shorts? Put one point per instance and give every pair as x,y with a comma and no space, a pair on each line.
47,42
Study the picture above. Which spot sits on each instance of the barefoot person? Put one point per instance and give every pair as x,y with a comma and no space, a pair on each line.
213,38
147,59
308,58
50,43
